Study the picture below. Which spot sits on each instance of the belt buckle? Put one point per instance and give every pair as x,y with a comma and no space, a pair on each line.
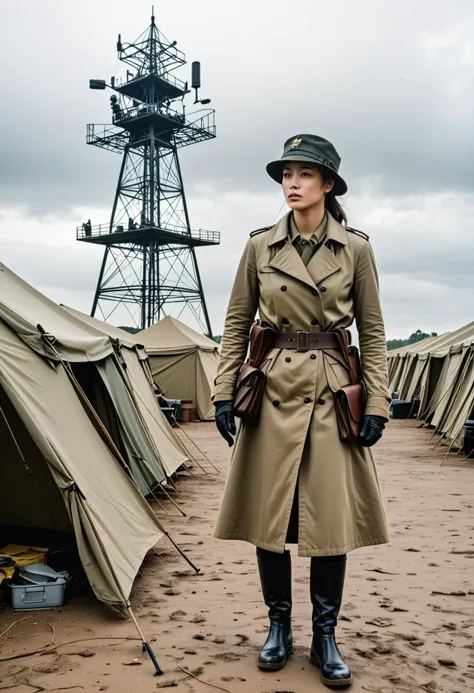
302,341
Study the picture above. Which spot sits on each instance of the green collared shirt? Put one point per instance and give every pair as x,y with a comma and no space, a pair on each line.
306,248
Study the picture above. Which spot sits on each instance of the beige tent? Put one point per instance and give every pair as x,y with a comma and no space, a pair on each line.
183,363
441,370
134,361
60,336
57,472
405,368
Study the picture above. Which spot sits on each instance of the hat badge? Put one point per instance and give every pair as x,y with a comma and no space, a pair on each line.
296,142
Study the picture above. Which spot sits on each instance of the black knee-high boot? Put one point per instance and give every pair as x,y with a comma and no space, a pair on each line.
275,576
326,584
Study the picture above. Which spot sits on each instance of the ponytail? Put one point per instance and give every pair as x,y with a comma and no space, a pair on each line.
331,203
334,208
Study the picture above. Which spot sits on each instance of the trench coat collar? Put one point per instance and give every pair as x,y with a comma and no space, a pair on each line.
322,264
334,231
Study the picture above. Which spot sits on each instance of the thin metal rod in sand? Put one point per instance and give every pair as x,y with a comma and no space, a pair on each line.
188,560
444,458
174,502
195,460
199,449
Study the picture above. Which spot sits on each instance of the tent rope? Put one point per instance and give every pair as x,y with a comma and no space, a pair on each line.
16,443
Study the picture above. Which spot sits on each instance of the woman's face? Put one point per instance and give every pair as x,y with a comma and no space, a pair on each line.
303,185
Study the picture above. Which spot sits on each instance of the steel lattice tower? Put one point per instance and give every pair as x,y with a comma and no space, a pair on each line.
149,263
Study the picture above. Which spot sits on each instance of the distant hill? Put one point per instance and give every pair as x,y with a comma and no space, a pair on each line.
415,337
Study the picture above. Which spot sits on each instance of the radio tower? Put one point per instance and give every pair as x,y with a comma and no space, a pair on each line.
149,265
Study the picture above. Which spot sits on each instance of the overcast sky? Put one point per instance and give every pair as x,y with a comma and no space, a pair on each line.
390,83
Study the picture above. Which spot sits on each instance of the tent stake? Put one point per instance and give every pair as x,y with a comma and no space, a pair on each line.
174,503
145,644
199,449
197,570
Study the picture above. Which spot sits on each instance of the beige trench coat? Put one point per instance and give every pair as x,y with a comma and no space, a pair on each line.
294,444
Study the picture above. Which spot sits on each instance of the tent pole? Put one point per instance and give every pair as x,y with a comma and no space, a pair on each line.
444,458
170,499
189,451
183,554
198,448
145,645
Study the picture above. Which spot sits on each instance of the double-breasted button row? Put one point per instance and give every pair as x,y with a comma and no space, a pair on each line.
314,321
283,288
288,359
307,400
285,321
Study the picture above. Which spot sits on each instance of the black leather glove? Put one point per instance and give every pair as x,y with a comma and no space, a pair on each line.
225,421
371,430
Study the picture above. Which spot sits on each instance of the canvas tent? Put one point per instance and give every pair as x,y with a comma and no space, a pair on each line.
57,472
136,369
183,363
53,333
441,371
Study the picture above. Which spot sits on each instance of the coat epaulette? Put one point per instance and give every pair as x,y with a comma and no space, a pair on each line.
357,232
257,231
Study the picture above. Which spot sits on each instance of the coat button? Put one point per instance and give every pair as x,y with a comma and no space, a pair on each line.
276,403
322,289
313,356
327,244
307,400
288,359
283,288
321,401
314,321
285,321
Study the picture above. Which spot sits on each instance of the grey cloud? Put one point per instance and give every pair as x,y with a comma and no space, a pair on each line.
389,83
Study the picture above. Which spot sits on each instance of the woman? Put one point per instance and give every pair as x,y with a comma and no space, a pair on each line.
291,479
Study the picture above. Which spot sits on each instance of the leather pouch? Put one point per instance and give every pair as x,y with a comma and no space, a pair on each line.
350,400
251,380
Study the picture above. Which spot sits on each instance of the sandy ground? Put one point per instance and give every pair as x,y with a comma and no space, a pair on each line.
407,623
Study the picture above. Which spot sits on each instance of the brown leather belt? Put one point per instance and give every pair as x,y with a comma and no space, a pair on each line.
303,341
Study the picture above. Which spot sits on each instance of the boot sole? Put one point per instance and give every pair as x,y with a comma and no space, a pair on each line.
270,666
330,683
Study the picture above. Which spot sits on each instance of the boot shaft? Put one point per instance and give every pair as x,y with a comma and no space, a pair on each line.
327,575
275,578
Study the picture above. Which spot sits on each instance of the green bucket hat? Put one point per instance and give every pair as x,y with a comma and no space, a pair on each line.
313,150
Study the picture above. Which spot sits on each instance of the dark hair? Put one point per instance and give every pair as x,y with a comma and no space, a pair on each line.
331,203
334,208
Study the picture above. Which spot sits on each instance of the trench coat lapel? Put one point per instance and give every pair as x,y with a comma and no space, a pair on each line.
324,262
287,259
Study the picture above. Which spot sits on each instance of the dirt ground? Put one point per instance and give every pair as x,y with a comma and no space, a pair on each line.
407,622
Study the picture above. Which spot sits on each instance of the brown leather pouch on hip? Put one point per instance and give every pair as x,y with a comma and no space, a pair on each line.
349,401
251,380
